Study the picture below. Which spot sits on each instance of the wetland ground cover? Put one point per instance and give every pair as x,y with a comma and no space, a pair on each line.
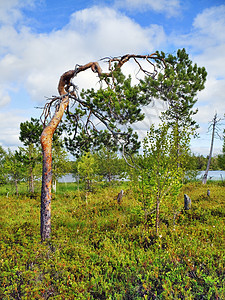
102,250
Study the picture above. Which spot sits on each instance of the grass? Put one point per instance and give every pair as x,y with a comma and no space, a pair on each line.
102,250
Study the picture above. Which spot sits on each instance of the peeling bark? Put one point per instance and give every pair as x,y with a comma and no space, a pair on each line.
46,143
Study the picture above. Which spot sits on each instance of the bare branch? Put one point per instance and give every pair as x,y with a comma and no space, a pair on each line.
65,80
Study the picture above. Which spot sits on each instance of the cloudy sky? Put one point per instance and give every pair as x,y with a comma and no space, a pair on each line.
41,39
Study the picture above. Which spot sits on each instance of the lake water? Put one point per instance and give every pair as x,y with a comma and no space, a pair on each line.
212,175
67,178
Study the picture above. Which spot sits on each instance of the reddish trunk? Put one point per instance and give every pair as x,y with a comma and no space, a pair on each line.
46,143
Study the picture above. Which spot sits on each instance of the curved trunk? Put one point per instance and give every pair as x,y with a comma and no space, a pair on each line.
46,143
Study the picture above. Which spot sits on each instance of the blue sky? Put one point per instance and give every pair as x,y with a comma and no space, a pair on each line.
42,39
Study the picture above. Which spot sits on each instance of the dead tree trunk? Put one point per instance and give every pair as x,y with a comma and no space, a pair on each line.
215,121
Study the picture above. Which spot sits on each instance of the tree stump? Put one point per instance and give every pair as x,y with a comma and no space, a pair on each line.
187,202
119,197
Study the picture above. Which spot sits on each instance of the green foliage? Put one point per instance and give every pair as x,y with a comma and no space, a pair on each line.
101,250
87,168
109,164
30,132
14,168
116,106
159,175
118,103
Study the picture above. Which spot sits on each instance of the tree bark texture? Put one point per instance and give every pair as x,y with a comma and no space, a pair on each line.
46,143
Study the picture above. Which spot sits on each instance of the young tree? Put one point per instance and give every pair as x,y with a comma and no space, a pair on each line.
87,169
30,158
108,163
158,175
14,168
60,163
30,132
111,106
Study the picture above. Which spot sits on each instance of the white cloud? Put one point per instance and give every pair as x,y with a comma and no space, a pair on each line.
109,32
212,38
9,127
10,10
4,98
38,60
207,43
210,24
168,7
207,31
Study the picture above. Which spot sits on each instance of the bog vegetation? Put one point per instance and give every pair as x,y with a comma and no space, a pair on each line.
104,250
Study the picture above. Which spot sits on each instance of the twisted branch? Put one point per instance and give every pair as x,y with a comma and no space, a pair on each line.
65,80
